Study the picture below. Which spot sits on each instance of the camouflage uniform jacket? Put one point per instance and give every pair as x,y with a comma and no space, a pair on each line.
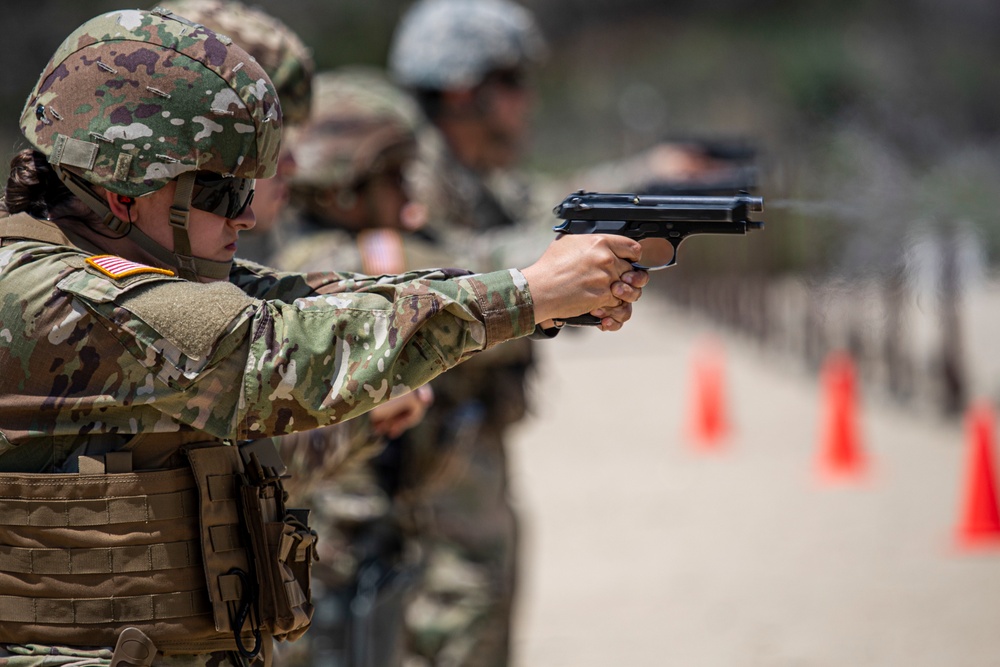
88,357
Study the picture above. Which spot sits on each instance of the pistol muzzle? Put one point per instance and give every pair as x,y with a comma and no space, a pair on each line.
755,204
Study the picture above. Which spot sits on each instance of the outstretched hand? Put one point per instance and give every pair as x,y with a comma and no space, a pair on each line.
402,413
587,273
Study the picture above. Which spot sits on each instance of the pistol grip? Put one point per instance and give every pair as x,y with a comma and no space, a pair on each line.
582,321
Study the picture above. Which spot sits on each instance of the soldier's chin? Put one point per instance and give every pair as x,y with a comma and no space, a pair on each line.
507,154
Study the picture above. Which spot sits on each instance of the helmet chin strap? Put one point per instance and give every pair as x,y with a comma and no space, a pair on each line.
188,266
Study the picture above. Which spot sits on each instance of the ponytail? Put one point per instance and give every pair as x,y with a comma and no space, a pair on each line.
33,186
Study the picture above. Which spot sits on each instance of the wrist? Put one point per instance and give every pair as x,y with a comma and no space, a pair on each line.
539,296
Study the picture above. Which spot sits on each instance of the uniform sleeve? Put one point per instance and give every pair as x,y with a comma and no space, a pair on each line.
326,358
267,283
242,367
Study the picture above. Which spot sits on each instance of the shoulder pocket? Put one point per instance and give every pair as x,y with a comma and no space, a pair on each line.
175,328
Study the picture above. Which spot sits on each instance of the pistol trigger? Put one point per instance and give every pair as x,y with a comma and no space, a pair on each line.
675,241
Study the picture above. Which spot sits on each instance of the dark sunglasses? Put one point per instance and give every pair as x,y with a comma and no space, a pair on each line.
514,79
227,196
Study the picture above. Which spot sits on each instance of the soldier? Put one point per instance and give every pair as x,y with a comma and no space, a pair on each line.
467,64
289,64
353,212
143,365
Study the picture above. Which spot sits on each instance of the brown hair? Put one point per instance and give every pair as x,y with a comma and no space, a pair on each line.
33,186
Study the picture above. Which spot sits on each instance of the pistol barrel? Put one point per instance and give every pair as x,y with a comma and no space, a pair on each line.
582,206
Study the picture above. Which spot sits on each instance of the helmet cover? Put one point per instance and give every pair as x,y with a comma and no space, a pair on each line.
133,98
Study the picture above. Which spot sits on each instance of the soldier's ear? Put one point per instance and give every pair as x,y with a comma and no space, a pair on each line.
120,205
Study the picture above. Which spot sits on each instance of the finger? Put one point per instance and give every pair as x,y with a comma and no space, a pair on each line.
622,266
625,292
635,277
626,248
426,394
621,314
612,319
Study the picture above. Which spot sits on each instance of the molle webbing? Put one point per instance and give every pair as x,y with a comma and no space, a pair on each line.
84,556
99,511
100,560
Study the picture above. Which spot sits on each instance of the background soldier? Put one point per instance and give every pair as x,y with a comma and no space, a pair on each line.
289,64
142,362
466,64
469,65
353,211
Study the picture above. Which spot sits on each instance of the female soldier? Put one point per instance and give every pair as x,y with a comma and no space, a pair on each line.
138,358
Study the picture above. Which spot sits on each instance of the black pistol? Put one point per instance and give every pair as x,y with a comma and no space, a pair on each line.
659,222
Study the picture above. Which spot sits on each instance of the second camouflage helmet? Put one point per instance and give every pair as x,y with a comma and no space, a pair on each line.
132,99
359,119
274,45
453,44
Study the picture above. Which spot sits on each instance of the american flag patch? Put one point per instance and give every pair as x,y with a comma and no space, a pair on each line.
119,267
381,252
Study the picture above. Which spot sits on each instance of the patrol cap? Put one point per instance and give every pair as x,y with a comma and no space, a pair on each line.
134,98
453,44
360,122
274,45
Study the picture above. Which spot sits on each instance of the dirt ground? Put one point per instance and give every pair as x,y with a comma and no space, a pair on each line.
640,549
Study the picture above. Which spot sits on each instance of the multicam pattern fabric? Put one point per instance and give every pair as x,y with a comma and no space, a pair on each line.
357,116
132,99
277,49
38,655
82,359
452,44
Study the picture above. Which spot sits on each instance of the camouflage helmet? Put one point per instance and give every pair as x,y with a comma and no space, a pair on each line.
360,121
277,49
132,99
453,44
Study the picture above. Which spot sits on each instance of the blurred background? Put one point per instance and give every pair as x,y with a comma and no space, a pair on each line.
871,130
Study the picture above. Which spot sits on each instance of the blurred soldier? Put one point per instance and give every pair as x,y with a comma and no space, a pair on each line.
144,366
289,64
467,65
354,212
352,159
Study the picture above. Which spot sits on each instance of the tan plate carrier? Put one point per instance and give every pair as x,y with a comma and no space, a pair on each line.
184,555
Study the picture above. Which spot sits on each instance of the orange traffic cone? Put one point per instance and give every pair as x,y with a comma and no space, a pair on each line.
709,423
980,523
841,456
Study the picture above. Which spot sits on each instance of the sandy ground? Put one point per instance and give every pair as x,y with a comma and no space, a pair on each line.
640,549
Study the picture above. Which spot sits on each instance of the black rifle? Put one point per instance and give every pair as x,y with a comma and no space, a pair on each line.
645,218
